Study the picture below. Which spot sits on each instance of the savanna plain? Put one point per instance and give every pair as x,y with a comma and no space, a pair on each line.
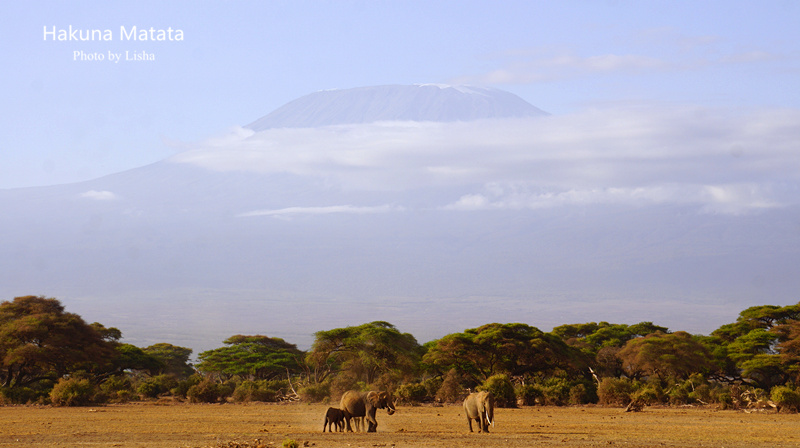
160,425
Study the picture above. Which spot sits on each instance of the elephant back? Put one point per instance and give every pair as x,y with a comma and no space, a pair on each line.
353,403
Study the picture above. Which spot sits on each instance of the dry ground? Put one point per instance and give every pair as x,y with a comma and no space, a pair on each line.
250,425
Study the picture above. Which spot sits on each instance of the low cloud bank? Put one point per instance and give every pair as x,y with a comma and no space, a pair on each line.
726,162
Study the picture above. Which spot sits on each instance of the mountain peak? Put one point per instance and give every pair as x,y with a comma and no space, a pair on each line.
418,102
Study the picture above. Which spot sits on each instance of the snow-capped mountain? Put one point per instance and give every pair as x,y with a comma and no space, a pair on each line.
423,102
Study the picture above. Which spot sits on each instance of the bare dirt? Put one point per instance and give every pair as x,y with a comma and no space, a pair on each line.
269,425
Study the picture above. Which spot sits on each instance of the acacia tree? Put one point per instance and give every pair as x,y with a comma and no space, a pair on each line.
39,341
253,357
601,342
752,345
174,359
365,351
665,355
515,349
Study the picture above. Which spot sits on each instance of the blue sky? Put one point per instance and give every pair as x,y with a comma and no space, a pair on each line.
65,120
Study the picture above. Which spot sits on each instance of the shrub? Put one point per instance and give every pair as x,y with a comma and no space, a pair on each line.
117,389
290,443
432,386
315,392
72,392
157,385
648,395
182,388
22,395
555,391
529,395
615,391
502,389
205,391
257,390
786,398
582,393
411,393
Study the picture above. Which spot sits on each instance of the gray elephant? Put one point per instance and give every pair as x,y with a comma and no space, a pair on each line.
335,418
479,406
365,404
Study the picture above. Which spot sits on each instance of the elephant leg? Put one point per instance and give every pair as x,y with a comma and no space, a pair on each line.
347,422
371,422
469,423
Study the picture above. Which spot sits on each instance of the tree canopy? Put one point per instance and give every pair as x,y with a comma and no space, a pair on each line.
513,349
254,357
366,351
40,341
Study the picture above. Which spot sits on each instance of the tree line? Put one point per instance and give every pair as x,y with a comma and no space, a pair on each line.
51,356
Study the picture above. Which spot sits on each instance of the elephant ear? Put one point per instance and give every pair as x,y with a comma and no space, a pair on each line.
374,399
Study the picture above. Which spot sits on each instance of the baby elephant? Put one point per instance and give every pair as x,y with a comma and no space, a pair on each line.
333,417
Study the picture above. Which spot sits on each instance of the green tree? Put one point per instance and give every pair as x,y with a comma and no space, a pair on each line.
752,345
665,355
592,337
39,341
132,358
174,359
252,357
515,349
366,352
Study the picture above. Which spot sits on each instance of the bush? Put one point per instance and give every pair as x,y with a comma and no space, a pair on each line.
205,391
411,393
23,395
315,392
786,398
117,389
182,388
72,392
556,391
582,393
529,395
258,390
648,395
502,389
615,391
290,443
157,385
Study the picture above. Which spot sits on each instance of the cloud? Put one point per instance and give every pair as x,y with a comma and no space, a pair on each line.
290,211
732,199
720,159
99,195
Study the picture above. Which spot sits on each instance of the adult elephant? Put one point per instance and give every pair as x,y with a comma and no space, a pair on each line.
480,406
365,404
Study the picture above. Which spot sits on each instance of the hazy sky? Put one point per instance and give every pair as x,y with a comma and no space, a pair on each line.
66,120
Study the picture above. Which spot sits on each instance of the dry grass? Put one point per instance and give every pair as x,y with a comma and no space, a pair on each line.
269,425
